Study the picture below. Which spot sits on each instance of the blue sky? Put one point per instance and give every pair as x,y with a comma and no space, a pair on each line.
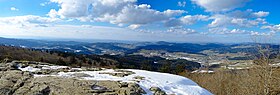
142,20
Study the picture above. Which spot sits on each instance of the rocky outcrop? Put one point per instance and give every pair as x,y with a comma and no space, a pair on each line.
8,66
81,75
157,91
12,80
119,73
139,77
16,82
71,86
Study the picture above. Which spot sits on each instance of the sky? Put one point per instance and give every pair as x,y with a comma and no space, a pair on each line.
142,20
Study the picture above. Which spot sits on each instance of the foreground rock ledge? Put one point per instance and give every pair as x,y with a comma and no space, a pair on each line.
36,78
15,82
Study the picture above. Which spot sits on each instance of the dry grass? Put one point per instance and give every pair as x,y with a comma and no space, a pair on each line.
240,82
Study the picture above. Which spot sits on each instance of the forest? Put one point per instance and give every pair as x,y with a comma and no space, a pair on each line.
104,61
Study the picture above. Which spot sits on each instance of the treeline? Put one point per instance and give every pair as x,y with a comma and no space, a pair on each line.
107,61
154,63
54,57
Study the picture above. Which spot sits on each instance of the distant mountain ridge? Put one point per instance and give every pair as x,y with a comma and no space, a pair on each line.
122,48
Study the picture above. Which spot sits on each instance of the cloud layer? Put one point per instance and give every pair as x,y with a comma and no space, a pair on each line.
222,17
113,11
220,5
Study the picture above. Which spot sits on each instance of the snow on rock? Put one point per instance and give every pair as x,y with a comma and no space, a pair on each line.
29,68
203,71
54,67
171,84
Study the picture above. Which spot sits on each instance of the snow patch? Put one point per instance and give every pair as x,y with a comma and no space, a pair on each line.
203,71
54,67
171,84
30,69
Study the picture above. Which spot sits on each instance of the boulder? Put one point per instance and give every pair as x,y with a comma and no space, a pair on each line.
160,93
123,84
8,66
80,75
12,80
139,77
157,91
119,73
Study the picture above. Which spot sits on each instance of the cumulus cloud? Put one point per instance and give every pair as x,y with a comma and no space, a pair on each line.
220,5
192,19
186,20
247,23
243,19
139,15
261,14
219,20
52,13
113,11
14,9
249,13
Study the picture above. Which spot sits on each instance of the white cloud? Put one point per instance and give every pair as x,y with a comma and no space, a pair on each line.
138,15
227,31
134,26
220,5
169,31
52,13
65,31
182,4
249,13
44,3
189,19
27,19
219,20
236,20
89,32
144,6
275,28
171,13
237,31
181,30
186,20
246,22
262,33
14,9
261,14
113,11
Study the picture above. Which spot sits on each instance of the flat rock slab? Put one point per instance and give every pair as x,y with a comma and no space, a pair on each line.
23,83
